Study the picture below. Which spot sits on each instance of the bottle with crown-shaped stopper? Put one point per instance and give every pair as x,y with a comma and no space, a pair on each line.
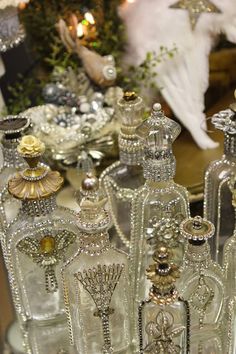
160,205
123,177
37,242
96,282
164,319
12,128
202,284
229,253
217,199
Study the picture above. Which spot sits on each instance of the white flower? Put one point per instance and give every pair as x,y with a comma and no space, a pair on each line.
31,146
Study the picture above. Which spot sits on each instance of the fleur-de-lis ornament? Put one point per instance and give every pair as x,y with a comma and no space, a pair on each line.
47,253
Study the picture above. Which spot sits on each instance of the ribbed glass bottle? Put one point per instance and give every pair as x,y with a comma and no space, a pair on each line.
217,199
123,177
96,282
12,128
160,205
164,319
38,241
202,284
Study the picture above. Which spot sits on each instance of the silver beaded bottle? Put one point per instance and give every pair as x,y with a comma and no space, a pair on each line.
202,284
217,199
160,205
123,177
96,282
38,241
12,127
164,319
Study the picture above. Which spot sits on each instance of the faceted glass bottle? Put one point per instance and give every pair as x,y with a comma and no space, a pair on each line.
123,177
164,320
38,241
96,283
160,205
217,199
12,128
201,282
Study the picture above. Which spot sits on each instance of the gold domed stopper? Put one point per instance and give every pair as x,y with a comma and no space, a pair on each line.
197,229
129,96
36,181
162,273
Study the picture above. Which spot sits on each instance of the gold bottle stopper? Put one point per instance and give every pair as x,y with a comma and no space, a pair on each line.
197,229
37,181
162,273
129,96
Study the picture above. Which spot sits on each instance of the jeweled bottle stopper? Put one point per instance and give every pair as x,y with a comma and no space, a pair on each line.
37,181
163,275
197,230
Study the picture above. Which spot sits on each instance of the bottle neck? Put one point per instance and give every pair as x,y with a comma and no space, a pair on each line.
163,297
230,145
38,207
130,149
197,254
161,170
95,243
10,154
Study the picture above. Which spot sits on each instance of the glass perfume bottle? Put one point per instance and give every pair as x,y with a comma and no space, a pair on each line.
96,282
201,281
160,205
123,177
38,241
217,199
229,251
164,320
12,128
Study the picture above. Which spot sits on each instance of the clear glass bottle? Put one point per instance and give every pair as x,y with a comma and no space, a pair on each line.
201,282
38,241
217,196
12,128
164,319
230,335
160,205
229,252
96,282
123,177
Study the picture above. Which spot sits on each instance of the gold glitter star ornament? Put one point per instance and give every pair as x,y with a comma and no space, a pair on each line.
196,8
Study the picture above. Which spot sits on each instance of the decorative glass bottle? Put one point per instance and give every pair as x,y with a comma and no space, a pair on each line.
96,282
229,253
201,281
123,177
164,320
38,241
217,200
12,128
160,205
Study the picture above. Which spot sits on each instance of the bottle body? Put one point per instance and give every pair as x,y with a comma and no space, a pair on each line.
217,204
97,296
36,248
157,213
164,328
121,182
202,284
229,263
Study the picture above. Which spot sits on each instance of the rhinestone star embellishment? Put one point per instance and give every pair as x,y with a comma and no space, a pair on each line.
196,8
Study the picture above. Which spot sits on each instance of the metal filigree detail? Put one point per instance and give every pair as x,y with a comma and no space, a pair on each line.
202,296
163,331
47,253
100,283
165,231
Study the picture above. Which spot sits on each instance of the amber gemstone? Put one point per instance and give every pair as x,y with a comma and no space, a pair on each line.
47,244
